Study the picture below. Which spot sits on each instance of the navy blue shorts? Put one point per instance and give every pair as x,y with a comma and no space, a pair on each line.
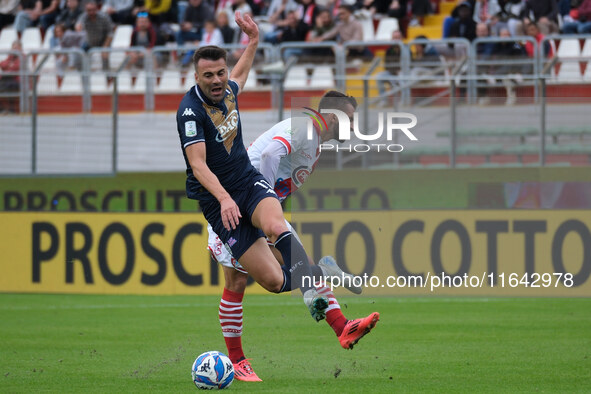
247,199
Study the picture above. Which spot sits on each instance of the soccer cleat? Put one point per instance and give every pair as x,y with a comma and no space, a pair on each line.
316,303
243,371
356,329
330,268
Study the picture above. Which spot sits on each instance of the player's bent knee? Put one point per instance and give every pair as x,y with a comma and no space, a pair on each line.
275,229
273,285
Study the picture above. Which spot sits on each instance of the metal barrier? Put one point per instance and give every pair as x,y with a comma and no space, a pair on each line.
458,65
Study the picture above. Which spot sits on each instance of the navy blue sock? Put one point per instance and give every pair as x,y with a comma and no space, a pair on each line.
295,261
286,280
316,271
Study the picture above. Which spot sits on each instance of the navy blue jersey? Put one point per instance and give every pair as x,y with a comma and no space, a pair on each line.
219,126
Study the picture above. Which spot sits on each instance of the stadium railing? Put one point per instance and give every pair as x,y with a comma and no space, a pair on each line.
496,67
457,68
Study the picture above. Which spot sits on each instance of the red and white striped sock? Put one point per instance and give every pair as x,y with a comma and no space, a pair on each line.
334,316
230,314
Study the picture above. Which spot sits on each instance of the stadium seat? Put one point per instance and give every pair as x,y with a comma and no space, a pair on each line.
296,78
7,37
47,84
47,38
189,81
98,83
251,81
72,83
322,77
121,39
122,36
587,53
169,81
368,31
124,82
386,27
31,39
569,70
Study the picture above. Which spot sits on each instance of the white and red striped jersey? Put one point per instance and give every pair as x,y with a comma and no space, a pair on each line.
302,154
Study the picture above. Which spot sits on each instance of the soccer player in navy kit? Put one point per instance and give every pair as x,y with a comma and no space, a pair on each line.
235,198
280,154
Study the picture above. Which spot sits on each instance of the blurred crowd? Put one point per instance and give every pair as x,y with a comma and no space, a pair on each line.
90,23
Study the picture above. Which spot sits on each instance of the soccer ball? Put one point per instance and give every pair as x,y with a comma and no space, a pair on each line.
212,371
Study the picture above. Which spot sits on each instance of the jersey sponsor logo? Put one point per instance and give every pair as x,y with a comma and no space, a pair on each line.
300,174
188,112
191,128
226,125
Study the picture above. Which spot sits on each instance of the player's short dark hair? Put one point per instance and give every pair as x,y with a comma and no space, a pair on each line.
336,100
209,52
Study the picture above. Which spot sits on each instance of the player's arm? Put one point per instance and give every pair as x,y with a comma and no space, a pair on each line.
242,68
228,208
270,158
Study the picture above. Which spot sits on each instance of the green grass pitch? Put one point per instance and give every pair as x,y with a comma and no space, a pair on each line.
76,343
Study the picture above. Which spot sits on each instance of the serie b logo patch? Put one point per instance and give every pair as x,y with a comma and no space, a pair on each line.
191,128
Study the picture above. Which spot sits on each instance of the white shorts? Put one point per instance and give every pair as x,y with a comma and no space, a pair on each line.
222,255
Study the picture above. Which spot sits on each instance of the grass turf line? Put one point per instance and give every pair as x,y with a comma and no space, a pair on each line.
81,343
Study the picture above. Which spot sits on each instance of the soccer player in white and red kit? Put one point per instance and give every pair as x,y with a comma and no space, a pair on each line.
286,155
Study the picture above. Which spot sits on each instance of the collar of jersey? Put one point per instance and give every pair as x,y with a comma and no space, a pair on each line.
204,98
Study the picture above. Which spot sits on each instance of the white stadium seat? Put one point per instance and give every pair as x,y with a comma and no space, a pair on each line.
122,36
568,50
368,30
169,81
31,39
121,39
7,37
322,77
587,53
47,84
98,83
72,83
47,38
386,27
251,81
296,78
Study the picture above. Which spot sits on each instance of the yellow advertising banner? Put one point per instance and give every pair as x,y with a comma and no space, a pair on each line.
457,252
476,252
107,253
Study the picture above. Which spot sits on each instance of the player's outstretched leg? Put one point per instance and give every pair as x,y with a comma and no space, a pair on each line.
298,274
230,315
330,269
268,216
